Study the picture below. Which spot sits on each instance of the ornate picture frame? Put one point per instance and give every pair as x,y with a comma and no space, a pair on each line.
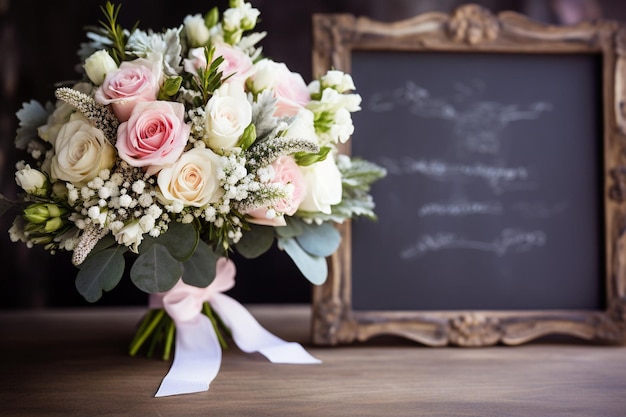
472,28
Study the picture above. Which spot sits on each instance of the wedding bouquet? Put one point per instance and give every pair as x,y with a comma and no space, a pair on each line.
173,149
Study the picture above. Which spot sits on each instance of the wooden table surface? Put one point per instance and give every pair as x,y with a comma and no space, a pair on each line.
73,362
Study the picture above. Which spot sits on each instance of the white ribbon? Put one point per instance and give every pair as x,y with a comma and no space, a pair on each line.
198,355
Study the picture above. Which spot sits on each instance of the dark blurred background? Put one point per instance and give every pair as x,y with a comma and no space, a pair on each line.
39,49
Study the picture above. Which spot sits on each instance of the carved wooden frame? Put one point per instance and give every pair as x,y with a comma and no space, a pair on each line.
472,28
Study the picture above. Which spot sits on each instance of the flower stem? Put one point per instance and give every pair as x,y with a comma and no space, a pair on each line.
206,308
169,339
148,325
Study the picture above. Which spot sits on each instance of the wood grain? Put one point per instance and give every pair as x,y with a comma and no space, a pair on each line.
73,363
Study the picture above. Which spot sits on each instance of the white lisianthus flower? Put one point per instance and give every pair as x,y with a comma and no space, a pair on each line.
32,181
227,114
338,80
196,30
192,180
98,65
342,127
130,235
81,151
302,127
323,185
240,16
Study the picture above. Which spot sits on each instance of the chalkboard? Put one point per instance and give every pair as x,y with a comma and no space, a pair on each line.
501,218
492,198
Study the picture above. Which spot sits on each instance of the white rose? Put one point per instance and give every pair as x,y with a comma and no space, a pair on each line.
196,30
266,74
228,113
192,180
98,65
81,151
32,181
130,235
323,181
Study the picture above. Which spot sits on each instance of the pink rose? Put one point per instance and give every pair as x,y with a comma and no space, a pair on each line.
286,172
155,135
289,87
133,82
236,62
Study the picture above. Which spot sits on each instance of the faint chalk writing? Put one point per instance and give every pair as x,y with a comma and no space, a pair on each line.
540,210
460,209
478,125
496,177
509,241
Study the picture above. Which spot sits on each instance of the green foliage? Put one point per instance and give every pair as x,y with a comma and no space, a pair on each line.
314,268
306,159
319,240
114,31
156,270
256,241
199,270
209,78
248,137
100,272
180,239
169,88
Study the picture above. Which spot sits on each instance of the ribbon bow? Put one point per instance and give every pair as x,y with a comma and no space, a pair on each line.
198,355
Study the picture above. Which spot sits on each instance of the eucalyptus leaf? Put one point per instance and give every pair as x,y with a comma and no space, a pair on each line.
293,228
319,240
100,272
314,268
180,239
199,270
256,241
156,270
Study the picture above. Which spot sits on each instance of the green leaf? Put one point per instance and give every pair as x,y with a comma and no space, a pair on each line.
180,239
170,87
314,268
320,240
100,272
248,137
306,159
293,228
199,270
156,270
256,241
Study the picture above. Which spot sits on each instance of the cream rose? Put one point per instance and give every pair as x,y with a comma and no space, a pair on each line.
81,151
228,113
192,180
98,65
133,82
154,136
324,189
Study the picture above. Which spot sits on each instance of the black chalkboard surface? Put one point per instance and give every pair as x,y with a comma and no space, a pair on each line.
493,193
502,218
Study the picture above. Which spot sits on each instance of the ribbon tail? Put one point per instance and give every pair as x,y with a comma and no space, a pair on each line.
250,336
197,358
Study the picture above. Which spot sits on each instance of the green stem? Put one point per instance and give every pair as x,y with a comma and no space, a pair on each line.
152,320
169,339
209,313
